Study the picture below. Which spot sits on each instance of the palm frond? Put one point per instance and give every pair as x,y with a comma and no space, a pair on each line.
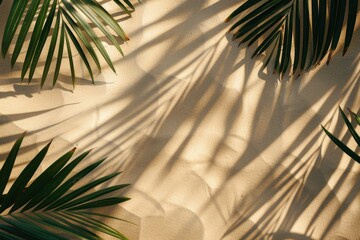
56,21
48,207
303,31
354,134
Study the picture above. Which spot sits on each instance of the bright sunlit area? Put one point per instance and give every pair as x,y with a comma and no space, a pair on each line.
179,120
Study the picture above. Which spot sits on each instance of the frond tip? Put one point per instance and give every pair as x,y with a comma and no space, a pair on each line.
53,204
353,133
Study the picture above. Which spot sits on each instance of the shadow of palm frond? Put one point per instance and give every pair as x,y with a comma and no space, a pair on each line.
297,194
164,144
199,127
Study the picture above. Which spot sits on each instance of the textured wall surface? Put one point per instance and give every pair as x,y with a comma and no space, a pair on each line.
214,146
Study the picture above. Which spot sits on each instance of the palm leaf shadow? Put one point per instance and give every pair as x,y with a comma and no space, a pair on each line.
159,117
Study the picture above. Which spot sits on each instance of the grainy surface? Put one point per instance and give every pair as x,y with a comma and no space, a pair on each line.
213,148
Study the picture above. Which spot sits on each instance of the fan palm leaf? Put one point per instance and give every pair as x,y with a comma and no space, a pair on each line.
49,206
57,21
303,32
353,133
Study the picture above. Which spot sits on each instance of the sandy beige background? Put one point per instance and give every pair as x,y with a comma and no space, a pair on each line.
213,145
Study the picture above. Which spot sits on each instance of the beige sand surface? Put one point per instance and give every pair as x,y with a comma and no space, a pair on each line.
214,147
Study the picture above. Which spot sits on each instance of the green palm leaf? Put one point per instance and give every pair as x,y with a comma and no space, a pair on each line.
46,207
58,21
314,26
353,133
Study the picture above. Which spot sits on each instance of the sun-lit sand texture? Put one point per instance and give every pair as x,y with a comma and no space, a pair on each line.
214,146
